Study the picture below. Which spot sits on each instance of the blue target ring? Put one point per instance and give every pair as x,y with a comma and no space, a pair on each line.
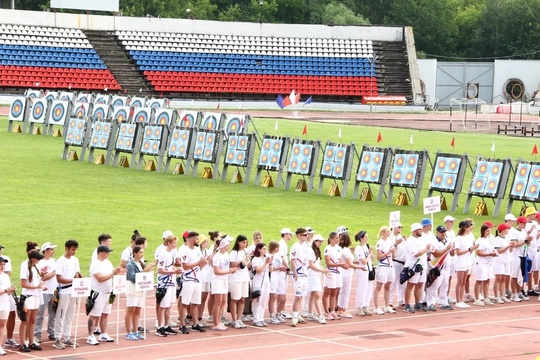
136,103
234,125
121,115
38,110
17,108
163,118
210,123
99,113
188,121
58,112
141,116
118,102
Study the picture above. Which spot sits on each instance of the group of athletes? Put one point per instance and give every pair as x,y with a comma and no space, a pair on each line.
220,274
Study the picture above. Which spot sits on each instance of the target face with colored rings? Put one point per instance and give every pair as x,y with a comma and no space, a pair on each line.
163,117
243,142
118,102
210,123
406,169
136,103
58,112
141,116
533,190
371,163
234,125
535,173
16,112
233,142
329,153
188,120
38,111
121,115
99,112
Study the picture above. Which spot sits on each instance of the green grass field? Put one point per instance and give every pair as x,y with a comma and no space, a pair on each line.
44,198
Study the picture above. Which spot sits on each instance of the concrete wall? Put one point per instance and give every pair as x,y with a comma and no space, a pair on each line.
528,71
93,22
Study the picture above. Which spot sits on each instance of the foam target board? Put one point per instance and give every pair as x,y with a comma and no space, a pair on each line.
101,133
121,113
206,145
32,94
211,121
236,124
164,116
152,138
39,111
66,96
157,103
143,115
189,118
372,163
80,110
18,108
125,141
526,184
138,102
85,98
101,111
59,112
301,158
486,180
75,132
238,146
119,101
335,159
102,99
406,168
52,95
445,172
180,143
272,151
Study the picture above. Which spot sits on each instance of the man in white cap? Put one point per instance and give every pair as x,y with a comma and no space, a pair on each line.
531,228
299,266
309,241
283,253
415,254
396,289
47,267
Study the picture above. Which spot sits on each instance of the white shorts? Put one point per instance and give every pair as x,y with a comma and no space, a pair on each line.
419,277
275,278
385,274
515,268
300,286
12,306
282,283
333,281
239,290
4,314
500,268
205,287
101,305
191,293
134,301
220,286
169,298
32,302
535,256
483,271
315,282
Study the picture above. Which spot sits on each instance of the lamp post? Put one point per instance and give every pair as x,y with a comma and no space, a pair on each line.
190,14
261,4
371,66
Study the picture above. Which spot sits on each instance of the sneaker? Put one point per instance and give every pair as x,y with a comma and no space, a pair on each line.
203,323
11,343
220,327
506,300
131,337
335,316
516,298
488,302
294,321
311,317
265,324
451,301
35,346
210,319
522,296
138,335
499,301
51,338
97,331
58,344
141,329
92,340
447,307
409,309
170,331
183,330
242,325
258,324
389,310
198,328
2,352
420,307
366,311
347,315
469,298
24,348
322,320
37,338
247,318
161,332
173,324
461,305
281,319
274,320
378,311
236,324
69,342
104,337
508,294
359,312
479,302
431,307
286,315
301,320
225,321
532,293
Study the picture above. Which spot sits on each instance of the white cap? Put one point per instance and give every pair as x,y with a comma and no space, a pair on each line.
166,233
510,217
310,229
47,245
341,229
285,231
416,226
448,218
318,237
225,242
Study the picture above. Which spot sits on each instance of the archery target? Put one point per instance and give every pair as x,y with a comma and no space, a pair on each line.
157,103
188,118
300,160
235,124
38,113
80,110
237,150
101,111
121,113
535,173
84,98
137,102
126,136
102,99
179,144
371,164
486,178
271,153
119,101
17,109
75,133
206,146
533,190
100,135
66,96
142,115
58,113
526,182
333,164
52,95
32,94
406,170
445,171
164,116
210,123
152,138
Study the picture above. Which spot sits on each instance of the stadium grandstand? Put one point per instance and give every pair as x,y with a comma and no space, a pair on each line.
184,58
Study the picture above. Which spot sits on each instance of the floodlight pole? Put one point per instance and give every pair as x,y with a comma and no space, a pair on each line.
371,66
261,4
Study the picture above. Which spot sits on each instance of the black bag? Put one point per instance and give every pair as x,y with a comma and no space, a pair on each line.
179,285
432,275
255,294
90,301
19,303
160,294
371,275
55,299
111,298
405,275
418,268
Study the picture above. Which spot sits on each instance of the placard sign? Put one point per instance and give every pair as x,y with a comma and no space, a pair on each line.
395,217
119,284
432,205
81,287
144,281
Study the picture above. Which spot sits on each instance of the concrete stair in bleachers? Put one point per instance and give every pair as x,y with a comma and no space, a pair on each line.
118,62
393,69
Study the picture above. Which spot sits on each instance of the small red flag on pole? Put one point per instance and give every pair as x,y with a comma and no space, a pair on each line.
304,132
453,143
379,138
535,150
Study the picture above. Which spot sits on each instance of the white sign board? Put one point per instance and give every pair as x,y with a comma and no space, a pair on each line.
81,287
144,281
432,205
97,5
395,217
119,284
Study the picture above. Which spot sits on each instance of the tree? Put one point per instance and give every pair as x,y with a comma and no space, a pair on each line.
338,14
